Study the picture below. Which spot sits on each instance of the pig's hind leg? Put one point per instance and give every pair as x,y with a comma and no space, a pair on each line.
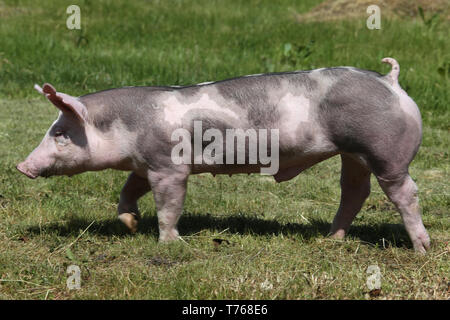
355,188
402,192
134,188
390,162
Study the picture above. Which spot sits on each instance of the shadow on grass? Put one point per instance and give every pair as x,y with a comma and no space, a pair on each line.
383,234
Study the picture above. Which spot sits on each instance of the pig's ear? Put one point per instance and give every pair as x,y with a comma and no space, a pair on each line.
64,102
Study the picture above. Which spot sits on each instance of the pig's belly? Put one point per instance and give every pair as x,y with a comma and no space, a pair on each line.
294,157
286,164
299,148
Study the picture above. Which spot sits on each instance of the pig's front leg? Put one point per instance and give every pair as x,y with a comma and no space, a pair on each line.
169,190
134,188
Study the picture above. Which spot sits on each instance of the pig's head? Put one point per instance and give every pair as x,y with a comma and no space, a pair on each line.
67,147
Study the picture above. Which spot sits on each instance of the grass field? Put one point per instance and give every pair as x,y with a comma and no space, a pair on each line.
277,245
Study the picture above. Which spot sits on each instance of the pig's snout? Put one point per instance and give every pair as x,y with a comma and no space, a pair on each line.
23,168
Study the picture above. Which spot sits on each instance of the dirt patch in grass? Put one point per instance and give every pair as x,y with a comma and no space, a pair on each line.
344,9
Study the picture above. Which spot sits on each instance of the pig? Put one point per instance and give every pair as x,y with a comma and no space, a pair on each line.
363,116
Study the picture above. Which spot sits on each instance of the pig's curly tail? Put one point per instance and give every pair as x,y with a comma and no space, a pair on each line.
392,76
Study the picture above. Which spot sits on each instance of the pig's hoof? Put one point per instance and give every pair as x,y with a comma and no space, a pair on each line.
338,235
422,244
168,236
130,220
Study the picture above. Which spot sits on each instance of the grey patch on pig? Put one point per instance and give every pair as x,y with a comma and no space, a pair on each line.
189,91
250,97
369,72
303,79
153,145
308,133
77,133
362,115
334,72
222,125
340,71
252,94
127,104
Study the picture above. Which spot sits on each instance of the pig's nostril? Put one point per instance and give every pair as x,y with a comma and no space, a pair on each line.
23,169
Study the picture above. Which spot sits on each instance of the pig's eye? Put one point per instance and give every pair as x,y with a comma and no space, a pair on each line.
61,134
61,138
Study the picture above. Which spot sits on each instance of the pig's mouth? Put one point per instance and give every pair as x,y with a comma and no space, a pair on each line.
33,174
47,173
53,170
26,171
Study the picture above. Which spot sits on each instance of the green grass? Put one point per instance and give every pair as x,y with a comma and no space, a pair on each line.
277,247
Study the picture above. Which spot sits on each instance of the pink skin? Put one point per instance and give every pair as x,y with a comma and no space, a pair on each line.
74,145
355,188
71,145
403,193
169,191
128,211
